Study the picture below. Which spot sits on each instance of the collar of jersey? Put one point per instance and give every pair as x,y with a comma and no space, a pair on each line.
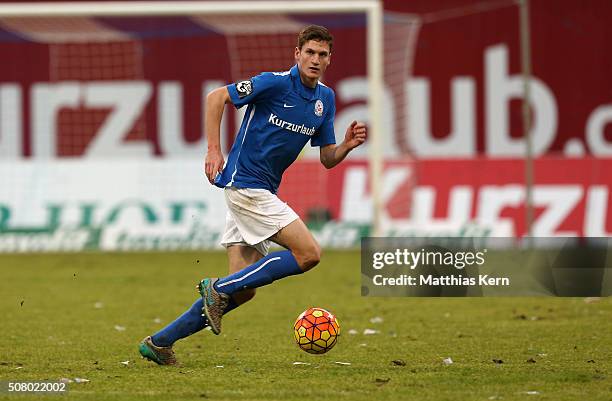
299,86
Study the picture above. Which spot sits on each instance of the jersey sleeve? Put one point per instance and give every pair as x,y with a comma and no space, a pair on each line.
326,135
254,90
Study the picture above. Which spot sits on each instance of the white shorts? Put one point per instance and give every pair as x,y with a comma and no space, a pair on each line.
253,216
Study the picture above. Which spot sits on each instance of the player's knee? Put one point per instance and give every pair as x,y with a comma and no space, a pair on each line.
309,257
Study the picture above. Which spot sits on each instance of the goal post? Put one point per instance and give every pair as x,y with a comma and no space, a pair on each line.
374,44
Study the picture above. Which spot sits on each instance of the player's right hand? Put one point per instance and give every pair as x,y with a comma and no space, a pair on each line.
213,164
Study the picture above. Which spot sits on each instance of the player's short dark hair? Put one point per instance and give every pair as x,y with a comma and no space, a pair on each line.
317,33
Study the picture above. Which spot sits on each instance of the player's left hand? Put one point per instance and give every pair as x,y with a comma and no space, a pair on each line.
356,134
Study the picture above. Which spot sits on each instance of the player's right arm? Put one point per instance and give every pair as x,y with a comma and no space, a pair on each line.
215,103
257,89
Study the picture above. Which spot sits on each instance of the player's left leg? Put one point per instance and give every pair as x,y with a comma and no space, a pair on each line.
303,254
299,240
257,215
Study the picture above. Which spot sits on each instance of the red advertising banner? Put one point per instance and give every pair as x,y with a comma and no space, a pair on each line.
135,87
571,197
466,77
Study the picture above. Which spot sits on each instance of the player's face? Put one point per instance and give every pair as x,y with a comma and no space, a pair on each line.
312,59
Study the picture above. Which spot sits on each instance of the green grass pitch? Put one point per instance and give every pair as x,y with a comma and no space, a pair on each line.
82,315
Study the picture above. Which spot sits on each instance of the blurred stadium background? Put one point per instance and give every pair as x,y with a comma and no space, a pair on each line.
102,147
101,124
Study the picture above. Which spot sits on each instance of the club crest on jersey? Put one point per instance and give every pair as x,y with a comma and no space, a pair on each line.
318,110
244,88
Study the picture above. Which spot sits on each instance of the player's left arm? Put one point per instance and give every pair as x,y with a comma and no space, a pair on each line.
355,135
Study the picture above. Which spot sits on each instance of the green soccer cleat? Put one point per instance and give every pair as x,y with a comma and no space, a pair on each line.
214,303
159,355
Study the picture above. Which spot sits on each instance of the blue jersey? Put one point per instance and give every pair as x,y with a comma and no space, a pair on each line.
281,117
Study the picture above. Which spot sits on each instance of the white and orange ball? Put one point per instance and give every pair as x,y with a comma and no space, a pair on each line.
316,330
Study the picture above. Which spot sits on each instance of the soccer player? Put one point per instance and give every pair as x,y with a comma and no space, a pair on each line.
285,110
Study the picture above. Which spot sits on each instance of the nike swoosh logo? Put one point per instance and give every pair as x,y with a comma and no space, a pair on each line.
285,105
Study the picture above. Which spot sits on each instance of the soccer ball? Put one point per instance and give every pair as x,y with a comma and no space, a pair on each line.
316,330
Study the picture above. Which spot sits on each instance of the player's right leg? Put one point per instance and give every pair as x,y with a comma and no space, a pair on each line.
240,256
158,347
159,355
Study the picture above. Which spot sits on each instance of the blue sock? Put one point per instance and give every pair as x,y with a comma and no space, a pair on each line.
187,324
272,267
268,269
